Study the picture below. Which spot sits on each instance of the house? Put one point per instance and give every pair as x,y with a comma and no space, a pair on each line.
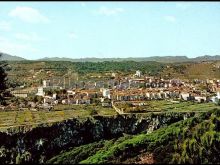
83,100
200,99
147,95
113,75
138,73
32,104
218,95
20,93
106,93
185,96
40,91
45,106
215,99
106,104
70,92
64,101
2,107
49,100
46,83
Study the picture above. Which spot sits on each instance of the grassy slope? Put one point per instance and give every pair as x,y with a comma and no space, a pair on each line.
193,70
195,140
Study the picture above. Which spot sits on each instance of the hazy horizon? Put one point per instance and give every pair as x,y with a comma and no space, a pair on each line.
35,30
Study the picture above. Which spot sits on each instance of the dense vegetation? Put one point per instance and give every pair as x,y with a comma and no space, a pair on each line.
3,81
32,73
194,140
151,68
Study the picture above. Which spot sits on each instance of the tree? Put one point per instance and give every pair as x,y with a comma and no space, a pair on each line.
3,80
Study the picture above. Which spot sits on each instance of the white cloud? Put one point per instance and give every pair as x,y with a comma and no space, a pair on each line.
4,25
28,14
107,11
15,48
28,37
73,35
170,18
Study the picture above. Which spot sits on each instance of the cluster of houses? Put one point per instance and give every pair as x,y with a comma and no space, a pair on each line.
135,88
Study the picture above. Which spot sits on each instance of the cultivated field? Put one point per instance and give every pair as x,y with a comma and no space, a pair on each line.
64,112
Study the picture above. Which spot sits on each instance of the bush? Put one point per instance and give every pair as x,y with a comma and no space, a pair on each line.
93,112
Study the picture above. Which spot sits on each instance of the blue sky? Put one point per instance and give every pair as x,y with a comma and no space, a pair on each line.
35,30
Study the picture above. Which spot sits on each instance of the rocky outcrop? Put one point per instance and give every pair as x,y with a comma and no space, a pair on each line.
38,143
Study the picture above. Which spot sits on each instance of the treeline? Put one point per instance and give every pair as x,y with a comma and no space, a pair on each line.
151,68
3,80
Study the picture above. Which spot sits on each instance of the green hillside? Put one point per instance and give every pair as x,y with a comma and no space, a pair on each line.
33,72
194,140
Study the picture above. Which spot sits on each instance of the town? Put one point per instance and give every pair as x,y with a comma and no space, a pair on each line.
134,90
110,83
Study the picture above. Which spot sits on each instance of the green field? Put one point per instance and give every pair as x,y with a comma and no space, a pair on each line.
64,112
60,112
168,106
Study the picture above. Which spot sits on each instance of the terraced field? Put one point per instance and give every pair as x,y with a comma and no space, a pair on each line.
169,106
60,112
63,112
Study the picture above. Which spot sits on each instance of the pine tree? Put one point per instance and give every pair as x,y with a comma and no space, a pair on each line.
3,80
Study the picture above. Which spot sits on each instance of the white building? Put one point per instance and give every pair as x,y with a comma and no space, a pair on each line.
113,74
218,95
40,91
215,99
200,99
106,93
70,92
20,93
184,96
46,83
55,96
138,73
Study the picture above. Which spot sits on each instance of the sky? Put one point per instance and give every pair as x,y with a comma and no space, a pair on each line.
34,30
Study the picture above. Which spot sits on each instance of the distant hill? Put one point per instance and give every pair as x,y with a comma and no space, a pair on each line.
162,59
165,59
7,57
206,58
55,59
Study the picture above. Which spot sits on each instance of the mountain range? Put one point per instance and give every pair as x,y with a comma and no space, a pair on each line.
163,59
